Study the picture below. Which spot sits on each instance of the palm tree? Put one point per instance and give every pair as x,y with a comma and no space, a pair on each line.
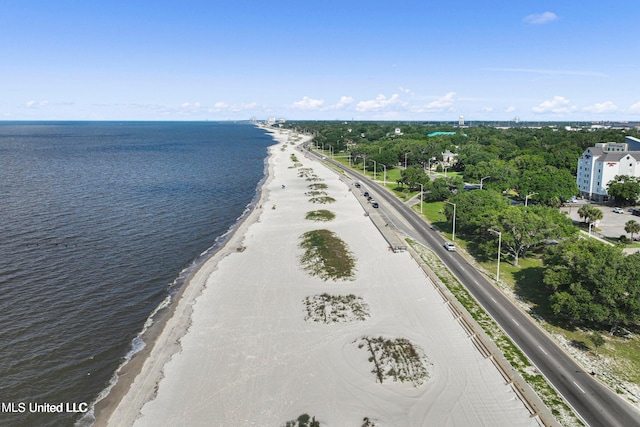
595,214
583,212
632,227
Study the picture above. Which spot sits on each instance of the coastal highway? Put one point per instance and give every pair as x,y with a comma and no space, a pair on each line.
595,403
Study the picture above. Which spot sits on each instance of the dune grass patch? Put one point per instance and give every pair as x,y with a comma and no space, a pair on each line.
396,359
323,200
326,256
317,186
321,215
304,420
316,193
327,308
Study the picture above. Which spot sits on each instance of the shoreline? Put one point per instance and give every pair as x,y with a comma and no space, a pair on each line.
127,373
240,349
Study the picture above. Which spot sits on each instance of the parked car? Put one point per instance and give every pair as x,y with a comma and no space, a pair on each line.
450,246
618,210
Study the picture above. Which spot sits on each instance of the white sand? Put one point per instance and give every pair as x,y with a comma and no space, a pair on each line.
250,359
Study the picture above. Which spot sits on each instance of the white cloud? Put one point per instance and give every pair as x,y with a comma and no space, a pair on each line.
35,104
510,109
635,108
605,107
244,106
381,102
307,103
444,103
342,103
190,106
558,105
234,108
540,18
405,90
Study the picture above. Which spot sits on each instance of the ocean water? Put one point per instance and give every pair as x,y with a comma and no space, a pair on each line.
99,223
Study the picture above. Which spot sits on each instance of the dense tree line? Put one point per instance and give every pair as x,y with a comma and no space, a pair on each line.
540,161
590,283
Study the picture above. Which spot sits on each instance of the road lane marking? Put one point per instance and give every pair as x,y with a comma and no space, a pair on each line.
579,388
542,350
494,300
514,321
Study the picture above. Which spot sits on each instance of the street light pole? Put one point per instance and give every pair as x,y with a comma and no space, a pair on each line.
384,182
453,234
482,179
499,247
421,200
526,199
375,169
405,160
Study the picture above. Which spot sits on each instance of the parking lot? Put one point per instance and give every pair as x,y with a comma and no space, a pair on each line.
611,224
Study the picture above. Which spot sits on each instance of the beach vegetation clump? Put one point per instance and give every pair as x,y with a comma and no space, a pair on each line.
322,199
316,193
397,359
320,186
308,174
305,172
296,162
304,420
327,308
320,215
326,256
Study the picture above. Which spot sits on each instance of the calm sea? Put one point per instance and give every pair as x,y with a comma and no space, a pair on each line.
99,224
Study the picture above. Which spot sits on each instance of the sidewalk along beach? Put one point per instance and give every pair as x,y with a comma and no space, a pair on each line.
260,338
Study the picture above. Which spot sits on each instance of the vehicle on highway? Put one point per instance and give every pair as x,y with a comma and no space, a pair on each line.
618,210
365,194
374,203
357,184
449,246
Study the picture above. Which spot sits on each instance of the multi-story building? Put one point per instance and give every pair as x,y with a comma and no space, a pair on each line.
599,165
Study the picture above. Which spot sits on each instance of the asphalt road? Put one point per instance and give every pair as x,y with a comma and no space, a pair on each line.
595,403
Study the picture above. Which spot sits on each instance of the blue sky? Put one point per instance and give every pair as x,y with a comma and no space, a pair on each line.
375,60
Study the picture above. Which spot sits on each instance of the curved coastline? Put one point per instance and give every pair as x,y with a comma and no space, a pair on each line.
174,312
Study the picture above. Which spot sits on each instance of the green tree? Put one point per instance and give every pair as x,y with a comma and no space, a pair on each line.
553,186
443,188
632,227
413,176
590,213
477,210
624,189
523,228
593,282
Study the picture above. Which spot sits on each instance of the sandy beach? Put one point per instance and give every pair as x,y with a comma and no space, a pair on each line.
239,350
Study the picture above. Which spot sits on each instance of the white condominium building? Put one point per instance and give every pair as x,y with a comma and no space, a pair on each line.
599,165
